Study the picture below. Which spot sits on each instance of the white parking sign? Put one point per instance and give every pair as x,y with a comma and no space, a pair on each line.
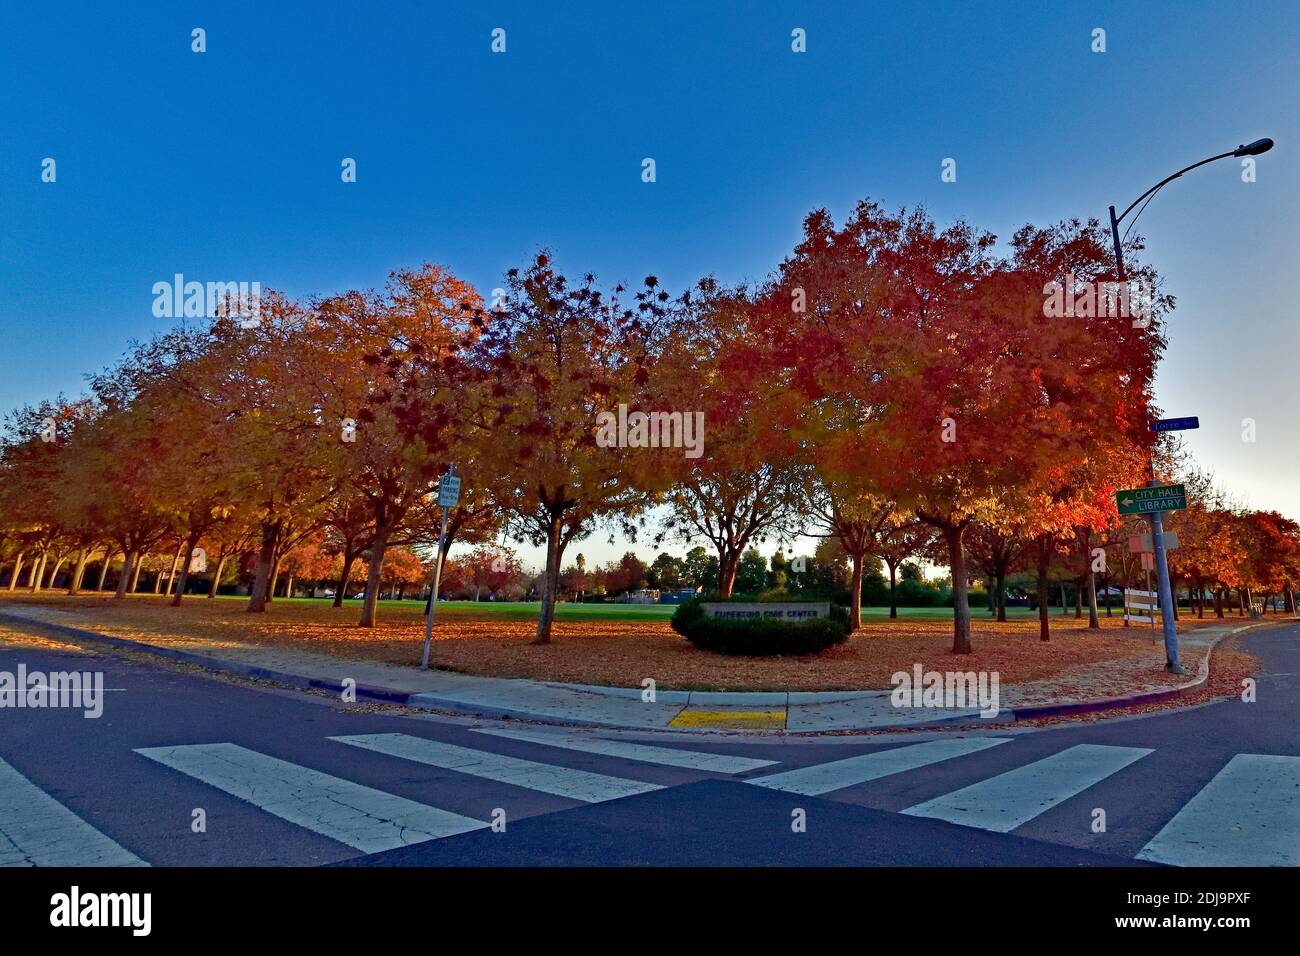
449,491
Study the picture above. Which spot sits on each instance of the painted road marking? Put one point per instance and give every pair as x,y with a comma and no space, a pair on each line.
1248,815
368,820
838,774
645,753
37,830
763,719
1004,802
560,781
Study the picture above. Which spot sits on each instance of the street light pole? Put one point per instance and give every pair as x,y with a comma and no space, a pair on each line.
1172,662
1163,588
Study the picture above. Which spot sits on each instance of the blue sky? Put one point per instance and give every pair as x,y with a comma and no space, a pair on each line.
225,165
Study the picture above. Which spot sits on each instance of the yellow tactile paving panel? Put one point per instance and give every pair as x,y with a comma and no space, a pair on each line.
760,719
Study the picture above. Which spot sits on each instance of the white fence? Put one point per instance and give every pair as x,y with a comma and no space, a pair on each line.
1142,607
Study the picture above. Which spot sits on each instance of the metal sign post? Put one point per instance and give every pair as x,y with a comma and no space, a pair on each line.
1155,500
1172,663
448,495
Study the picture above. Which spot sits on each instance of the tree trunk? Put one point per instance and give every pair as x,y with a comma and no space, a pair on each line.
103,570
74,586
551,581
38,572
370,607
1094,623
191,543
216,578
262,577
171,575
58,566
727,567
960,594
124,579
893,591
1044,593
135,572
345,578
275,580
1002,596
18,569
855,594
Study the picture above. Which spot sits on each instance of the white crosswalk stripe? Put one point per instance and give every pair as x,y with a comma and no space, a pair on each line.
838,774
361,817
1010,799
1248,815
37,830
644,753
561,781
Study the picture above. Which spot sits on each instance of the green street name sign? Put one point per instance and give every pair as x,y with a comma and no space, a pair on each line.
1141,501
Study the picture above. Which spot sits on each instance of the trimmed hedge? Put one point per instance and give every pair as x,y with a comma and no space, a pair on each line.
759,637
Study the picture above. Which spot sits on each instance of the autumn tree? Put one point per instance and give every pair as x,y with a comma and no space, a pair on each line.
490,568
1209,553
996,547
556,359
904,538
839,508
743,482
961,385
402,569
393,377
258,400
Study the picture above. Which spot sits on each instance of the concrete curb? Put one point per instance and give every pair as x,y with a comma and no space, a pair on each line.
434,701
746,698
1132,700
385,694
416,699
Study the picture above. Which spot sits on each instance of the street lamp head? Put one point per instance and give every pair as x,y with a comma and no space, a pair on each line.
1255,148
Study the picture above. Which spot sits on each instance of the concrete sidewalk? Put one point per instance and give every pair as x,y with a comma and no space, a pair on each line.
1075,690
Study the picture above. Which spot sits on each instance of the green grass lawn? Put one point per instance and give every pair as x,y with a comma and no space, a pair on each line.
507,609
624,612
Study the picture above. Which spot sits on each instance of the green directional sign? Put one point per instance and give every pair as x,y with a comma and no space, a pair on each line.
1142,501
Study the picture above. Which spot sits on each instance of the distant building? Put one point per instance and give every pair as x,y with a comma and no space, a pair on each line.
680,596
644,596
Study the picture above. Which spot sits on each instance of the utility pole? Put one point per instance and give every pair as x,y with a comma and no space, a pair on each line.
1172,663
1256,148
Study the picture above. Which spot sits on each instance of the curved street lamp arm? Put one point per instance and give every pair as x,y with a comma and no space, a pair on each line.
1168,179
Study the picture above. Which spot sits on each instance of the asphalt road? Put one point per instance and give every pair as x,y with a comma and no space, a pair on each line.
1213,785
